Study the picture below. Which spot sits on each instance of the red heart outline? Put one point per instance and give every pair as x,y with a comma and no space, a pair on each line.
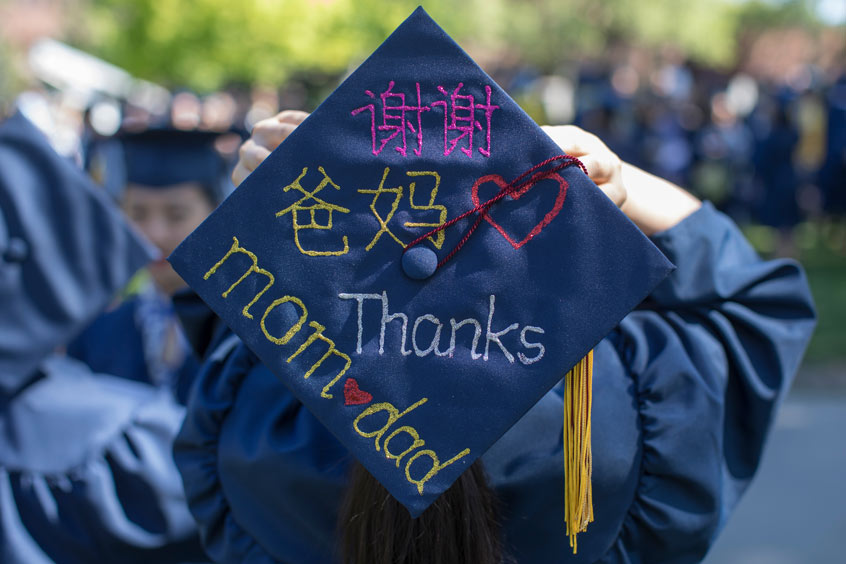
353,395
547,219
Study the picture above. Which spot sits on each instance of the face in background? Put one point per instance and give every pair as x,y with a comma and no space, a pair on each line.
166,215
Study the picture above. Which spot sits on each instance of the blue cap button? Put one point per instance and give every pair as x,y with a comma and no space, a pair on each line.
419,263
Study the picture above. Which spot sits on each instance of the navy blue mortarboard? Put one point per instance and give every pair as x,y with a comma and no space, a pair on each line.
417,341
164,157
64,250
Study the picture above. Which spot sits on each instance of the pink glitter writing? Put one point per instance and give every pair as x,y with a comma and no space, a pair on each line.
459,120
394,119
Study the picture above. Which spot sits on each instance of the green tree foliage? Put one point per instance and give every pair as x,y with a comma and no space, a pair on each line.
761,14
204,44
8,78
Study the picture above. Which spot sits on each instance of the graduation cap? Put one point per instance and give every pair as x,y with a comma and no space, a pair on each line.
159,158
420,264
64,251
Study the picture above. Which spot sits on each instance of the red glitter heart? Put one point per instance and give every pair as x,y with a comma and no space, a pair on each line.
353,395
547,219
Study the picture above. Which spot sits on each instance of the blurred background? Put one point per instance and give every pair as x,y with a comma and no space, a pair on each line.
741,102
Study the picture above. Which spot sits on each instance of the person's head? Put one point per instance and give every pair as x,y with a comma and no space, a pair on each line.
173,182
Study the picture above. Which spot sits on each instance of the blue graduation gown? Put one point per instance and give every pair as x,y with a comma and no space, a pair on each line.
114,344
86,473
685,389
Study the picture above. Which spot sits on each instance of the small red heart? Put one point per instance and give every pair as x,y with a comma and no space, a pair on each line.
353,395
547,219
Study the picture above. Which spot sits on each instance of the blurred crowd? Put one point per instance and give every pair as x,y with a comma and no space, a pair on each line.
765,153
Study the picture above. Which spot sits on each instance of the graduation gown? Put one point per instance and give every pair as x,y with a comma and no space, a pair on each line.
125,329
685,390
86,473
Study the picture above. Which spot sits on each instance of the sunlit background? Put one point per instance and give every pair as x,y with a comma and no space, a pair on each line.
741,102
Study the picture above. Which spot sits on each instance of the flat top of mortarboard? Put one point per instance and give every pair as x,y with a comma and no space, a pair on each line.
418,368
170,136
161,157
65,250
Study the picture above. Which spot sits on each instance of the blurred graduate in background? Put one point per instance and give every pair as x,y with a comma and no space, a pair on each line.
86,472
171,180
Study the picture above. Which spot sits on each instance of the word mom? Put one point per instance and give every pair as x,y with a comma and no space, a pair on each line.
393,414
295,328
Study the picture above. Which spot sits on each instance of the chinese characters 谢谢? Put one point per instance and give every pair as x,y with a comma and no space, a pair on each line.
463,114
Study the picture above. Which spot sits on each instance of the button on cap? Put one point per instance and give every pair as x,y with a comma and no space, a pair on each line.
419,263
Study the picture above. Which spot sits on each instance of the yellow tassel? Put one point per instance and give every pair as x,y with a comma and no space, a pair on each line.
578,497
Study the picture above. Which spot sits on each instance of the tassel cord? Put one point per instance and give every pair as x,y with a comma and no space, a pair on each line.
578,463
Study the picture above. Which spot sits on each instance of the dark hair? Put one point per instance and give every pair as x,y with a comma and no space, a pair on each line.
460,526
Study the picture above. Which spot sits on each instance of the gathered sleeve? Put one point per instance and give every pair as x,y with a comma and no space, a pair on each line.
86,472
711,355
263,477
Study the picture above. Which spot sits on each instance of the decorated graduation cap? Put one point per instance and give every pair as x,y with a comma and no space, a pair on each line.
64,251
420,264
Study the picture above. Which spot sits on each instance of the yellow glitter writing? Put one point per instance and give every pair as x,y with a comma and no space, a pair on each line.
311,204
393,416
318,335
294,329
383,222
236,248
439,236
436,466
416,443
